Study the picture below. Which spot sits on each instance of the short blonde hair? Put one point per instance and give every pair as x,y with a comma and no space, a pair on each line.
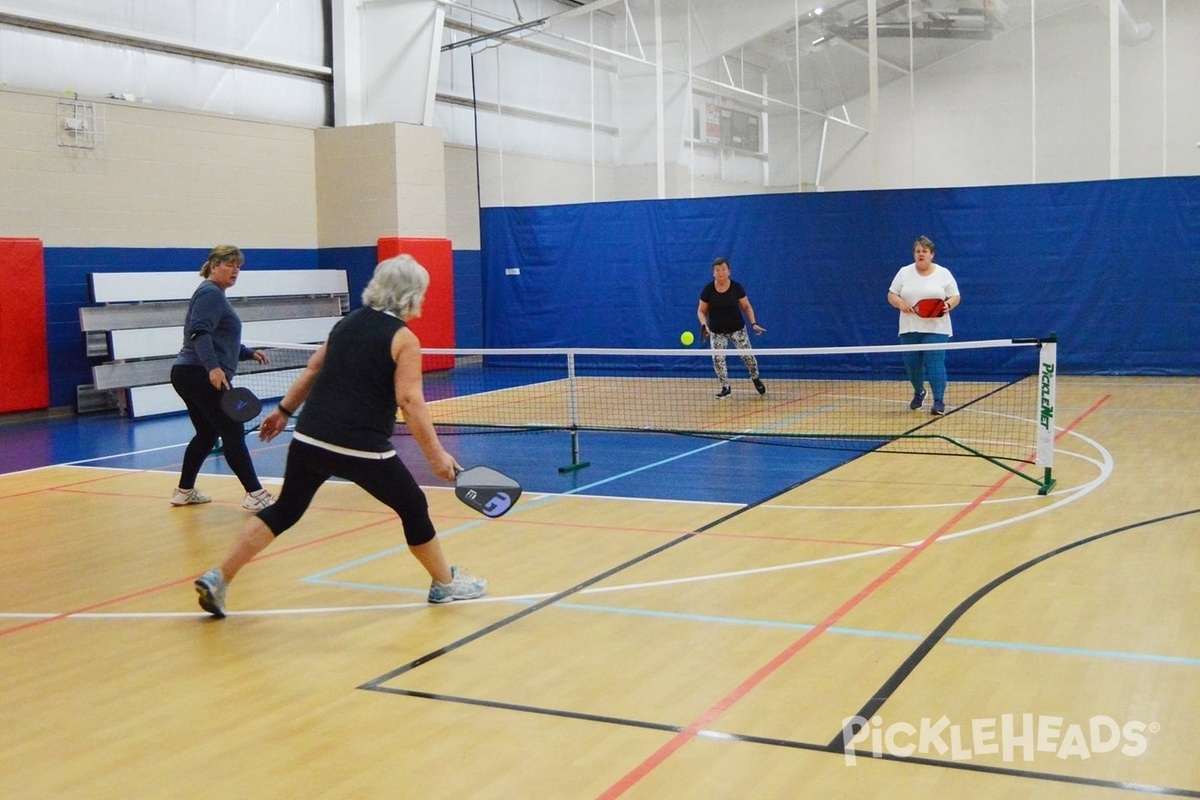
219,255
397,287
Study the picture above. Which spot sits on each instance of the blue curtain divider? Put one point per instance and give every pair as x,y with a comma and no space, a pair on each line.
1110,266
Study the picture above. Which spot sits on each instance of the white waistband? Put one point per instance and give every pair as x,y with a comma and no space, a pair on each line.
346,451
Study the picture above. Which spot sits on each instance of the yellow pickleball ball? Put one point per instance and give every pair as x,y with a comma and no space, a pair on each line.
687,337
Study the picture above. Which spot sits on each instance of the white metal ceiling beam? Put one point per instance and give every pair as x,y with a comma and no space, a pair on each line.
162,44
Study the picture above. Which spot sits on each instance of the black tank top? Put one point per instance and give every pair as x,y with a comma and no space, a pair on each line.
353,400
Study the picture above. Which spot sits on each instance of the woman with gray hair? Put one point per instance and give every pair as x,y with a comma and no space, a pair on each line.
351,390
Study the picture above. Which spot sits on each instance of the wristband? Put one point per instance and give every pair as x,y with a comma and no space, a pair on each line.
285,411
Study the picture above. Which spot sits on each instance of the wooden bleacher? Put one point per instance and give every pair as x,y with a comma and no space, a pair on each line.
136,326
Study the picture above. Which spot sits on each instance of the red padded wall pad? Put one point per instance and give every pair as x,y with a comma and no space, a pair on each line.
435,326
24,364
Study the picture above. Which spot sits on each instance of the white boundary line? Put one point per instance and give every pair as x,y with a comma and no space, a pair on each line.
1104,464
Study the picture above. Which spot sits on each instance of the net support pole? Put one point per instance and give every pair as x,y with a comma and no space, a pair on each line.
573,412
1047,387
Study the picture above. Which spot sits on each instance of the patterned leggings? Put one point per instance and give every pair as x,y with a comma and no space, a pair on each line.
720,341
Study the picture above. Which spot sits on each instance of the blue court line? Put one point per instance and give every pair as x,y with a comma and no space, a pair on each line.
320,577
1073,651
368,587
651,465
690,453
803,626
912,637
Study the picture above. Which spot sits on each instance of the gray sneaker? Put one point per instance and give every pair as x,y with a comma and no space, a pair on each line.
257,501
461,587
189,497
211,587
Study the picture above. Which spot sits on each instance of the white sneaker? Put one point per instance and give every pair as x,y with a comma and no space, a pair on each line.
461,587
257,501
189,497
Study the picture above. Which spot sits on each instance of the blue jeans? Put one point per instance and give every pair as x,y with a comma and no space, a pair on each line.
926,364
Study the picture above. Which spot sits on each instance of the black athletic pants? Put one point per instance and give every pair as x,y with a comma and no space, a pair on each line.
204,408
387,480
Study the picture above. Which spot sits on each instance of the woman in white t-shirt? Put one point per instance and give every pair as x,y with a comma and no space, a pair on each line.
925,280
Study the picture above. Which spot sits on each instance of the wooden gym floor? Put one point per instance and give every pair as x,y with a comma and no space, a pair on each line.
993,643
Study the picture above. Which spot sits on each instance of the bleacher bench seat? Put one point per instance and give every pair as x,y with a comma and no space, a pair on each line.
137,327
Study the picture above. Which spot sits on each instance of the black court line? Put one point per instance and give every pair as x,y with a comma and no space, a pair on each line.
833,747
374,683
1008,772
814,747
889,687
624,722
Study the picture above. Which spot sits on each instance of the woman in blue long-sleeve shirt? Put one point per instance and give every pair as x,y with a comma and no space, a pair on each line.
207,362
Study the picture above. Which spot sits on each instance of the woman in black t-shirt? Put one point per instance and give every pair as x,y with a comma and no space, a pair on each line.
722,303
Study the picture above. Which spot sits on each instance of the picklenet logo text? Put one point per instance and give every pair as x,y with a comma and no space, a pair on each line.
1013,737
1047,409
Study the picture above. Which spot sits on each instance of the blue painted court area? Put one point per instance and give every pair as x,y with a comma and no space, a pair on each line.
643,465
37,442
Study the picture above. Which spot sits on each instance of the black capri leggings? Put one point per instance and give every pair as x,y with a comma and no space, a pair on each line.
204,409
387,480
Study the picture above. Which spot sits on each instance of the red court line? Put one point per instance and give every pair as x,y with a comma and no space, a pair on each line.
66,487
728,701
382,510
111,473
186,581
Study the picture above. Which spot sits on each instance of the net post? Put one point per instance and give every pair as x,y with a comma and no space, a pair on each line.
573,413
1047,390
575,464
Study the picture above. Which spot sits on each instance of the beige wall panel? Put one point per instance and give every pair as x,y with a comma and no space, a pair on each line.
158,178
379,180
356,194
462,198
420,181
